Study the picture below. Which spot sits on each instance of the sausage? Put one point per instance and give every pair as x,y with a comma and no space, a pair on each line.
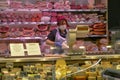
98,33
99,30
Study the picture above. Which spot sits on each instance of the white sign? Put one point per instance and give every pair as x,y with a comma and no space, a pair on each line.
17,49
33,49
118,66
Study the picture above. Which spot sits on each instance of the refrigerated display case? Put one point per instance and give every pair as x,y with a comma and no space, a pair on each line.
29,21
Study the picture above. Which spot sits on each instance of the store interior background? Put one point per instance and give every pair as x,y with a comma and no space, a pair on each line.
113,14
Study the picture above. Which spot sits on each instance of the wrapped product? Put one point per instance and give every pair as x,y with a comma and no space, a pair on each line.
53,19
78,44
4,31
15,32
45,19
52,27
28,31
103,44
3,48
16,4
44,33
91,46
53,14
42,27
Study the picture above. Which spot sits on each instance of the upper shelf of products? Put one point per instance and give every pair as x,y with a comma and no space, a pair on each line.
53,4
14,12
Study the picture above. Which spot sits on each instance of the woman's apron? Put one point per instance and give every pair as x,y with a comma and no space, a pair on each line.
59,38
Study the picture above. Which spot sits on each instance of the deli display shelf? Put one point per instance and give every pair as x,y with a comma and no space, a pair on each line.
54,58
22,38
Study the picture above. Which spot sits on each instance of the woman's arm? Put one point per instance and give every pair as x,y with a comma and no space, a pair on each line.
49,42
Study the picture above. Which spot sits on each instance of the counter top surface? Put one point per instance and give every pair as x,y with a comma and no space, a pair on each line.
54,58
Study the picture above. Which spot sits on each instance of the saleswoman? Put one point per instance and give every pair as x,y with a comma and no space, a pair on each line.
57,36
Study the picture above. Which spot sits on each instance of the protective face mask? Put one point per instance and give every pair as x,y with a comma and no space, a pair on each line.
62,27
104,48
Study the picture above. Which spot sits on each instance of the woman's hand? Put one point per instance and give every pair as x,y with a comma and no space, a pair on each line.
58,44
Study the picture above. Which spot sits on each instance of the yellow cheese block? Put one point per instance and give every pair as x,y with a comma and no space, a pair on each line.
91,78
91,73
61,68
80,78
99,78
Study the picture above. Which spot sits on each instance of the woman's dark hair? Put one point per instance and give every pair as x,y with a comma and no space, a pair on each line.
60,20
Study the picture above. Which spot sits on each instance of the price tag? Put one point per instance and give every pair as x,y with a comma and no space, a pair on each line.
12,23
34,10
22,10
59,10
95,9
73,22
42,23
33,23
80,10
86,10
53,22
9,10
103,10
46,10
72,10
37,38
75,57
19,23
27,38
26,22
4,23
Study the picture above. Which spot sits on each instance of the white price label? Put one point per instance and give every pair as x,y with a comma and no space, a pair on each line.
42,22
73,22
27,38
9,10
95,9
71,10
19,22
4,23
86,10
12,23
33,23
25,22
53,22
37,38
59,10
34,10
22,10
118,67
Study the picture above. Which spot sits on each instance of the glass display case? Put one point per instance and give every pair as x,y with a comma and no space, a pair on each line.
25,24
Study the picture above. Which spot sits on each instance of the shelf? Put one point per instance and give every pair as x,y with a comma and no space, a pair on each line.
26,23
53,23
53,58
92,36
23,38
97,36
92,57
28,59
56,10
